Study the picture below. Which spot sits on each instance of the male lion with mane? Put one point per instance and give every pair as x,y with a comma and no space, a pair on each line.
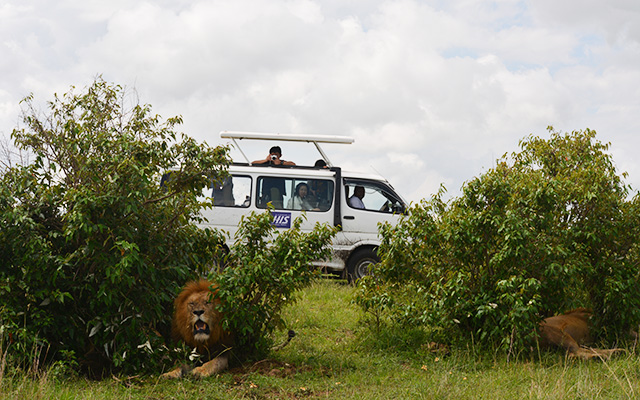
571,331
197,322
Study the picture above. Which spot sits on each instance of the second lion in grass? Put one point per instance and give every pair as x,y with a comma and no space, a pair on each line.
571,331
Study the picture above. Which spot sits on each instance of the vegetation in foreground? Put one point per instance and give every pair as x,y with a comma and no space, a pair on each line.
93,248
99,233
548,229
334,356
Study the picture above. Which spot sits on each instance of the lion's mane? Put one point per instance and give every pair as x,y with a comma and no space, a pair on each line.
199,297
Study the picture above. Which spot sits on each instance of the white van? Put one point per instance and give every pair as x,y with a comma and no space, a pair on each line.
250,187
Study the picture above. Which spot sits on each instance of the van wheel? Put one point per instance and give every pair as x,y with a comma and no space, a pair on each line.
360,263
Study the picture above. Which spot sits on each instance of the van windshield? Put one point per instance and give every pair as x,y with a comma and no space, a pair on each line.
295,193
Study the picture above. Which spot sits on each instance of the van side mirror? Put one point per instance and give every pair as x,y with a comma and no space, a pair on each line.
398,208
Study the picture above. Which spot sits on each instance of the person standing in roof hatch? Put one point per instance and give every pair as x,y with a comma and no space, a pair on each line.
274,158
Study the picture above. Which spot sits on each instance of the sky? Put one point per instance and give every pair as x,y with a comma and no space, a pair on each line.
432,91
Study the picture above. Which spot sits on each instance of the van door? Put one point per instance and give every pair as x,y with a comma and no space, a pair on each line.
366,203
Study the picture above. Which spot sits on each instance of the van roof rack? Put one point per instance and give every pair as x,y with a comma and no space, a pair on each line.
287,137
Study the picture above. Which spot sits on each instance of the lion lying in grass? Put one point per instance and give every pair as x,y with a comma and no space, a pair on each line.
571,331
197,322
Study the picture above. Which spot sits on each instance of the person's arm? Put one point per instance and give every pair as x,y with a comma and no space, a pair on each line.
263,161
276,161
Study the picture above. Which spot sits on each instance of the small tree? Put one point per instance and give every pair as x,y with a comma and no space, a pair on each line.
264,269
92,248
545,231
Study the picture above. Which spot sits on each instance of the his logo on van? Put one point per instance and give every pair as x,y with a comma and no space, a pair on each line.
281,219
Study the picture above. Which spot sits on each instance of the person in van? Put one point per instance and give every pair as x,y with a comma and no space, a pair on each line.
272,190
355,201
319,194
300,200
274,158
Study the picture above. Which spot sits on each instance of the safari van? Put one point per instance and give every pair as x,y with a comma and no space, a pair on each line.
251,187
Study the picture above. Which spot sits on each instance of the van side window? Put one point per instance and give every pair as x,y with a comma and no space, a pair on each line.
299,194
372,196
272,190
321,193
232,192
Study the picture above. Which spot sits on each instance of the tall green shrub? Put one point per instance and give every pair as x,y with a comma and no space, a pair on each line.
92,249
264,270
548,229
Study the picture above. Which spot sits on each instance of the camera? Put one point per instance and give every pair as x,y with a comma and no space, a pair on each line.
274,157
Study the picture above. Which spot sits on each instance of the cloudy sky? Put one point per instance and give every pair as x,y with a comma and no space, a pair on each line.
433,91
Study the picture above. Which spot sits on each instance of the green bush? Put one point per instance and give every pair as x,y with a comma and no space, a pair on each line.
264,269
546,230
92,248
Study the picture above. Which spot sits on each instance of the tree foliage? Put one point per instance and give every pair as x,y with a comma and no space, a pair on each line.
92,249
546,230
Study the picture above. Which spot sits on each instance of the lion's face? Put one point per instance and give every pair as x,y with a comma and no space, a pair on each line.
201,315
196,320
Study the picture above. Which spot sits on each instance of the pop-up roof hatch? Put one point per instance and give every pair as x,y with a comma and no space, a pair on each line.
315,139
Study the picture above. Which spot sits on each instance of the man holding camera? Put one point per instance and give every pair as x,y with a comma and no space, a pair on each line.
274,158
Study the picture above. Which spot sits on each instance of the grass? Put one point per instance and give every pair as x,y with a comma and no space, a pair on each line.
334,356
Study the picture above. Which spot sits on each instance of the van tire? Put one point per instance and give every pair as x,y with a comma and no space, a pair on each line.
360,263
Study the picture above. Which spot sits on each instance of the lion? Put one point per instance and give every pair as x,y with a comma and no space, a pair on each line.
571,332
198,323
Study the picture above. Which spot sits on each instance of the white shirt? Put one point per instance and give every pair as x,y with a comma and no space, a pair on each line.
296,203
356,202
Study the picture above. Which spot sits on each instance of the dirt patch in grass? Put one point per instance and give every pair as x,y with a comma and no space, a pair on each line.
267,367
274,368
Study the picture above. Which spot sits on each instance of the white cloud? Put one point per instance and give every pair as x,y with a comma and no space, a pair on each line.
440,89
